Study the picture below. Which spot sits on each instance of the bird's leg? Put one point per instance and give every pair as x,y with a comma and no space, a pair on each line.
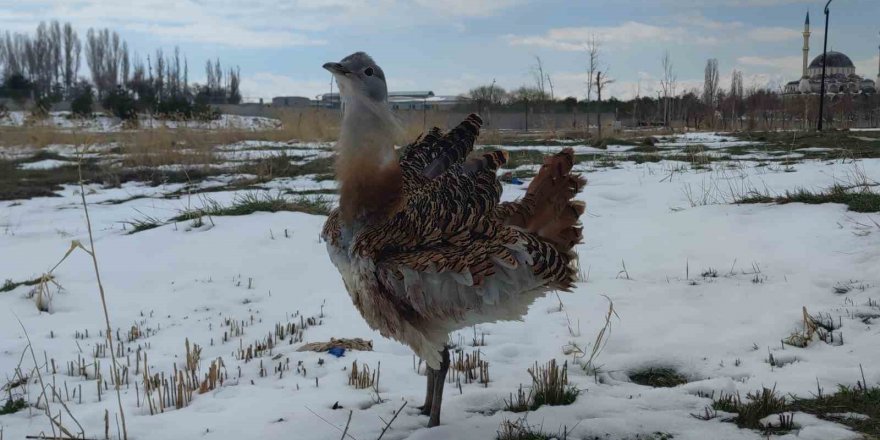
439,381
429,394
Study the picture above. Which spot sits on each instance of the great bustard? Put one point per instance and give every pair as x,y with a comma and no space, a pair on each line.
420,238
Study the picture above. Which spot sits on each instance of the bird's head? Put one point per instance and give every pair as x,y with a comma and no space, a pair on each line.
359,77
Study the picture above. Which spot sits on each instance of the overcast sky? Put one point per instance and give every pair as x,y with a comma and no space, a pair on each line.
449,46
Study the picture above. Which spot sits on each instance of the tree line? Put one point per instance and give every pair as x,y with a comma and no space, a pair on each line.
44,67
712,106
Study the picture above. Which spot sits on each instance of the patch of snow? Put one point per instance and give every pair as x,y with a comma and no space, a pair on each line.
708,139
101,123
817,149
46,164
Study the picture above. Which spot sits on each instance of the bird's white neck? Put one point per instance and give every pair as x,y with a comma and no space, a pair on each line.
366,166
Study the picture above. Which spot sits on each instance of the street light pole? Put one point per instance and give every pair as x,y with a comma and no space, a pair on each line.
824,55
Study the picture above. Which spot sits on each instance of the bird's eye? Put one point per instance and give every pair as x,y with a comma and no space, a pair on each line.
369,71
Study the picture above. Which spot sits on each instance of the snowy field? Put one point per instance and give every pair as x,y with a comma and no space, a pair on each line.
700,286
101,123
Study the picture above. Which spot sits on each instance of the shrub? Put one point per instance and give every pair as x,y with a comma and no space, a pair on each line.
120,104
83,101
17,87
181,108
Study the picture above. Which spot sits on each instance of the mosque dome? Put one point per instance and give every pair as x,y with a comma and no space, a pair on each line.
835,59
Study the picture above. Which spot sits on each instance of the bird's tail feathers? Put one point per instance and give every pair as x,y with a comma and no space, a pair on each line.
555,216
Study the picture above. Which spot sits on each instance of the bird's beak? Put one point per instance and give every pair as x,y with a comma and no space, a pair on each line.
336,68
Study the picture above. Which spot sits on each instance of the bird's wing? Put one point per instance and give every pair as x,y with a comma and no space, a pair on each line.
495,277
447,209
434,153
453,249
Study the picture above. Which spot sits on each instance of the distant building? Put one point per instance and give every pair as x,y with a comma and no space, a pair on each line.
840,73
406,100
291,101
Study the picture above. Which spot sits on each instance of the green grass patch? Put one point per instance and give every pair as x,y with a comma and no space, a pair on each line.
850,144
521,430
617,141
549,387
643,149
305,192
860,400
243,204
143,223
282,165
13,406
837,407
538,142
660,377
252,202
755,407
858,201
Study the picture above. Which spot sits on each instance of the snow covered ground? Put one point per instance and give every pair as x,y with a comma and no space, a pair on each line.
103,123
652,231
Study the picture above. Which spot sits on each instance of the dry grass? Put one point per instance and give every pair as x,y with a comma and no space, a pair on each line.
520,429
754,408
363,377
470,366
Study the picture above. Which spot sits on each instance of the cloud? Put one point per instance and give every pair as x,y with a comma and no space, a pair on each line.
691,29
790,64
575,38
467,8
251,24
772,34
267,85
231,35
867,67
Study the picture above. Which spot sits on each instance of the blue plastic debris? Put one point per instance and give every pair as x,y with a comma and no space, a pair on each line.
516,181
337,351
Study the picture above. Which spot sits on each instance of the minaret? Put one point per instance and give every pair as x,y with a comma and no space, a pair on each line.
878,74
804,86
806,43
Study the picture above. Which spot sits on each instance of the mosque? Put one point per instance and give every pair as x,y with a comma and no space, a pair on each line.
840,73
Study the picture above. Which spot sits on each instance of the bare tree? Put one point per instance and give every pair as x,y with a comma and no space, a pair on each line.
736,84
485,96
592,63
736,94
56,51
538,74
601,82
526,96
668,84
592,67
710,83
14,55
72,48
234,82
160,74
638,97
125,66
105,52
